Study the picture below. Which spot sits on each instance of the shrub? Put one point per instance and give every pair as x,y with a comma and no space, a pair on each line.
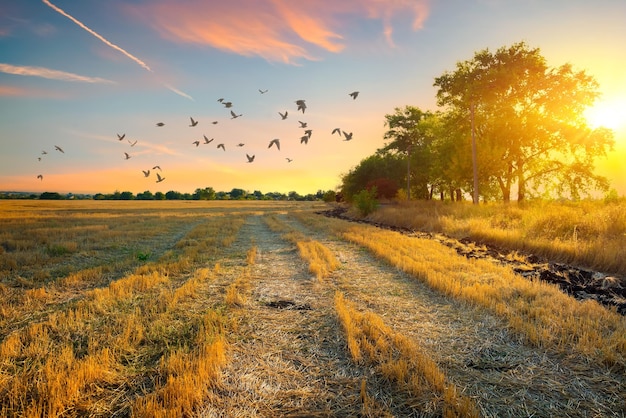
365,201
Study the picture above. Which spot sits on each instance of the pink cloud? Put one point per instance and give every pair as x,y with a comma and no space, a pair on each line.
277,30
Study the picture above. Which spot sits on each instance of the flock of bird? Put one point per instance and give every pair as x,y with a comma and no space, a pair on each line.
304,139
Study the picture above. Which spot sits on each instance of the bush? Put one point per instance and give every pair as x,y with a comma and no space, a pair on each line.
365,201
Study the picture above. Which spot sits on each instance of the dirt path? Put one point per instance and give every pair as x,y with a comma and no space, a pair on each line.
293,362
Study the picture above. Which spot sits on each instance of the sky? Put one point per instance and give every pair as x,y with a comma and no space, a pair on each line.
76,74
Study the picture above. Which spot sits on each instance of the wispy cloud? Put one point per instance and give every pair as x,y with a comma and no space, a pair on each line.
277,30
97,35
49,73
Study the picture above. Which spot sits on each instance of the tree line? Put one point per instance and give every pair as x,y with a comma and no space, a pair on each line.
510,127
207,193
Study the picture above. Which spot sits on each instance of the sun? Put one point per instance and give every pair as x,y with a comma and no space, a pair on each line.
608,114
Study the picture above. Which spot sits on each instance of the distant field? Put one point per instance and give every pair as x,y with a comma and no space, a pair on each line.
245,308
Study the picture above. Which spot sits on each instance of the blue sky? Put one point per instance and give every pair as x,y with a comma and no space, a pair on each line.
77,73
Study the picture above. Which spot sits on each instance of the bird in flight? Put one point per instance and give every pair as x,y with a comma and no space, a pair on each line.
196,143
288,159
234,115
58,148
156,167
159,124
222,147
302,124
301,105
207,140
38,158
120,137
193,123
354,95
44,152
160,179
275,141
250,158
214,122
127,156
336,131
262,91
241,144
283,115
132,144
304,139
347,135
146,173
227,104
221,99
40,177
309,132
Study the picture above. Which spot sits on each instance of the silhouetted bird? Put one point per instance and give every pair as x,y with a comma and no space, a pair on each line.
160,179
193,123
146,173
120,137
58,148
127,156
132,144
250,158
234,115
301,105
44,152
221,99
302,124
347,135
156,167
262,91
159,124
304,139
214,122
241,144
283,115
40,177
275,141
207,140
227,104
309,132
196,142
336,131
354,95
288,159
222,147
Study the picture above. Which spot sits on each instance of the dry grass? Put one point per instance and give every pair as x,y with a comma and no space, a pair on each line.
145,344
539,312
321,260
400,360
591,234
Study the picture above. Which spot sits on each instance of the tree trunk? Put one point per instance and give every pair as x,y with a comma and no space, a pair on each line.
521,183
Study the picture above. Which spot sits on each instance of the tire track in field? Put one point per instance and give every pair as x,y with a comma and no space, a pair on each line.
504,377
287,361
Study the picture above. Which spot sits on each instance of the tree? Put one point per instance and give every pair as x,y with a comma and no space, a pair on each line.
528,121
380,165
173,195
147,195
127,195
204,194
411,134
238,194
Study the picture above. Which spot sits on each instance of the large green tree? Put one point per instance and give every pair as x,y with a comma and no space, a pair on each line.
528,121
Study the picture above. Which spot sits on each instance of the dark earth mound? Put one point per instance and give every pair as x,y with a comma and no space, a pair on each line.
577,282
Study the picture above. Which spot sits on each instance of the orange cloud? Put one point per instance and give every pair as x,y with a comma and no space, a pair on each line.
277,30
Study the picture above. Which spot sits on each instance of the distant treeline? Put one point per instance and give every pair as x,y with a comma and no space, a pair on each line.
208,193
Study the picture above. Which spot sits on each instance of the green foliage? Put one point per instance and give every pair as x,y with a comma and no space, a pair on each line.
142,256
365,201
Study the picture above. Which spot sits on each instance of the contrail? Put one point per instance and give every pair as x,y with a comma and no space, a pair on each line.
49,73
112,45
180,93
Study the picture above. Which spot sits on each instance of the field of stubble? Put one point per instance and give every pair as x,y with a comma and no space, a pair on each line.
265,309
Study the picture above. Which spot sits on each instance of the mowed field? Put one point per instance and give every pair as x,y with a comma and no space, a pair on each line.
267,309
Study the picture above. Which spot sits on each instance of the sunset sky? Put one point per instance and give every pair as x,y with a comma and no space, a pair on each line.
75,74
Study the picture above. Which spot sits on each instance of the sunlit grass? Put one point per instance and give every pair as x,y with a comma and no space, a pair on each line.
400,360
540,312
589,233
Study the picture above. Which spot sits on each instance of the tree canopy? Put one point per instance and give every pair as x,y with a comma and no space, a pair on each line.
528,123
